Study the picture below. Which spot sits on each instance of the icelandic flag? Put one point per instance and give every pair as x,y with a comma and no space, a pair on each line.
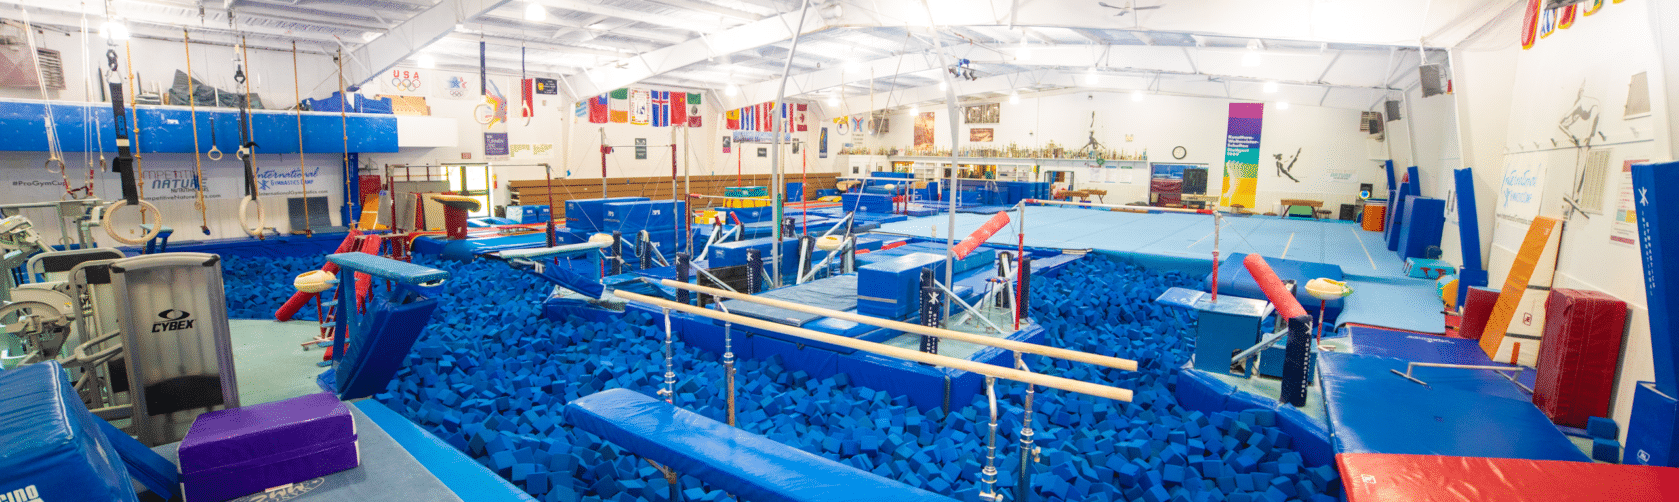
661,109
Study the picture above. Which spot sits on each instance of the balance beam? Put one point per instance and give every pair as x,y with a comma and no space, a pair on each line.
1042,350
890,351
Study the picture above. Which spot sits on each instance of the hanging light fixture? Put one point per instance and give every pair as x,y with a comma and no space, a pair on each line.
536,13
1014,98
1251,58
943,86
914,109
833,99
425,61
731,89
1137,95
113,30
1270,86
1090,78
1282,105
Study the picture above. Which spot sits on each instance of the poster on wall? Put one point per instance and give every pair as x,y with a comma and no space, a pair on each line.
988,113
547,86
457,86
532,150
1241,154
727,142
822,144
641,149
282,180
924,131
981,134
1624,228
404,82
763,152
495,144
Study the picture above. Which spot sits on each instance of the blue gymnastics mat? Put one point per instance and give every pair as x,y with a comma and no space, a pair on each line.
1183,241
1465,413
1403,304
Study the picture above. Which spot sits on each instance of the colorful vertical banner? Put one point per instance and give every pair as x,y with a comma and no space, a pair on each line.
641,107
1241,154
822,144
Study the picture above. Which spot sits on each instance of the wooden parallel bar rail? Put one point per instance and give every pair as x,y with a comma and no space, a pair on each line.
890,351
1031,348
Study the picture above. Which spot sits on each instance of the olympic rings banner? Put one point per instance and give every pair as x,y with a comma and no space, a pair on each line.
404,82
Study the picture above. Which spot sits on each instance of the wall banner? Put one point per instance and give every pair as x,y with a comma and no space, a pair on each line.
1241,154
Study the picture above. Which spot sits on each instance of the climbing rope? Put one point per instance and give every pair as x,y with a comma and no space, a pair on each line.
297,110
344,127
197,159
96,140
139,160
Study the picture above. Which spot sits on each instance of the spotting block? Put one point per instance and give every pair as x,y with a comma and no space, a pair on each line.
1226,327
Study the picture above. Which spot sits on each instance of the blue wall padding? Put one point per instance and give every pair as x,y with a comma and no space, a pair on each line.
1470,272
1657,207
1372,410
51,446
1424,220
750,466
1234,280
168,129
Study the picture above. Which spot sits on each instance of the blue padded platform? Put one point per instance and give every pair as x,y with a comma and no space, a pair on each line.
1403,304
1466,413
407,273
1414,346
1234,280
833,293
51,446
747,465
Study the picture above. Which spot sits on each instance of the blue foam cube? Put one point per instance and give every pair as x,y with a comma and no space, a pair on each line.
1606,450
1599,427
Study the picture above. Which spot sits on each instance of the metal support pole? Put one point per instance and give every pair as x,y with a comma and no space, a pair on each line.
644,249
776,183
988,476
1028,452
604,149
668,392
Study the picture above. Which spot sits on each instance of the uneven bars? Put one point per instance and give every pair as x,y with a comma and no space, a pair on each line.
1043,350
890,351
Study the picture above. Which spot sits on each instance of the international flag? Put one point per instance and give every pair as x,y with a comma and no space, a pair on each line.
661,109
582,109
693,109
620,105
641,107
679,109
598,113
731,120
766,117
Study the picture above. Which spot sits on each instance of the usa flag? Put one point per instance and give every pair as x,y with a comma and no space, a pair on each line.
661,108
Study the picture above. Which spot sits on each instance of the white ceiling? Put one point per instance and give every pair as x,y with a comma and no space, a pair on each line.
864,53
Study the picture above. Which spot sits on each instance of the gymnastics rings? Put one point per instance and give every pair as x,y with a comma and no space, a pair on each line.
214,153
55,160
145,208
244,221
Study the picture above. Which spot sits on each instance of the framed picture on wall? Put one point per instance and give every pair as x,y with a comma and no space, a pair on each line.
981,134
727,141
763,152
988,113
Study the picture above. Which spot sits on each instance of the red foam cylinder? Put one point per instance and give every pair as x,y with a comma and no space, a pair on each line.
1287,306
979,236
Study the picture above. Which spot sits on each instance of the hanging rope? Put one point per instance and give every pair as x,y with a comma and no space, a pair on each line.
55,150
247,146
344,127
297,110
197,160
95,140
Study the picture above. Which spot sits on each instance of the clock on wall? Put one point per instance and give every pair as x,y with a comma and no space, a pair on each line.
1179,153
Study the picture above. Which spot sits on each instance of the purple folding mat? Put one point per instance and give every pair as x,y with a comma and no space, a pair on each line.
233,453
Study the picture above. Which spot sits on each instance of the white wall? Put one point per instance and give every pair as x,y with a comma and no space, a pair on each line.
1511,103
1328,138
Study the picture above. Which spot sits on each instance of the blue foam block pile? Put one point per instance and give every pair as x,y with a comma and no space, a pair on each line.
256,287
492,377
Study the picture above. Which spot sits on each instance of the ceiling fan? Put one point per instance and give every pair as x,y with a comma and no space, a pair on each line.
1128,8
